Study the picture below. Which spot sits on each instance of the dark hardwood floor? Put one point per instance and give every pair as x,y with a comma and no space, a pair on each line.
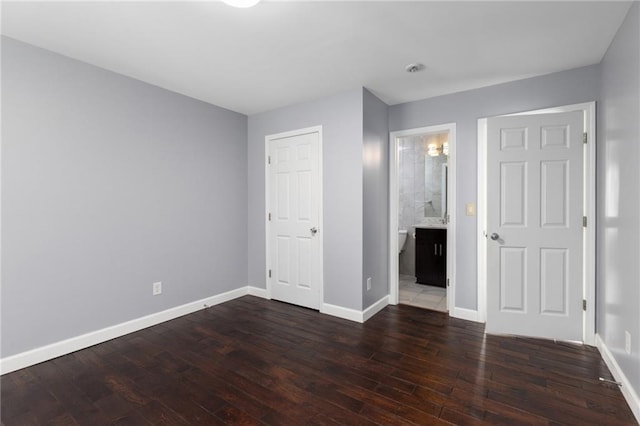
253,361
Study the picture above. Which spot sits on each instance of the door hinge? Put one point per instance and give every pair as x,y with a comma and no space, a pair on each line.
269,217
269,273
584,221
447,282
268,159
584,137
584,304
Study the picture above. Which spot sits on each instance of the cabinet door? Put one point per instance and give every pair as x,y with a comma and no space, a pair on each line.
440,269
431,252
425,256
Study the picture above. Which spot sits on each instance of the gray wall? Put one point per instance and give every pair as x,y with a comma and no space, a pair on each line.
618,269
110,184
341,118
563,88
375,226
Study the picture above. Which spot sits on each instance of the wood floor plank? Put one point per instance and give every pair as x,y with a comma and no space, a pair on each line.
251,361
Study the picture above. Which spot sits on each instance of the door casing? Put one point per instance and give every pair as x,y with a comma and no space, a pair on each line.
589,208
268,139
394,195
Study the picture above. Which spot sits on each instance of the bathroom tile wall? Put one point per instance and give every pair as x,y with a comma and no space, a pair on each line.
411,196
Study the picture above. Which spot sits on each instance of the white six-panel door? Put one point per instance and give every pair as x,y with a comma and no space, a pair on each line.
534,225
294,210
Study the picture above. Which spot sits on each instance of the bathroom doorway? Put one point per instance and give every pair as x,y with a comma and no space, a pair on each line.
422,217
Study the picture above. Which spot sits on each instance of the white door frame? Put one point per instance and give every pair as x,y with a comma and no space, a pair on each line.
319,235
394,199
589,208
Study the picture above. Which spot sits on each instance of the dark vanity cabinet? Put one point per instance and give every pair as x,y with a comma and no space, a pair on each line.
431,256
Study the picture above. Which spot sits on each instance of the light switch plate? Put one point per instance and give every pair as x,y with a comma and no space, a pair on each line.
471,209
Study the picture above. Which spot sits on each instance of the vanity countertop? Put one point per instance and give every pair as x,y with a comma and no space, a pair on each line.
431,225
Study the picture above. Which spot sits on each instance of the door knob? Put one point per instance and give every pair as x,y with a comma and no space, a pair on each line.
494,236
314,230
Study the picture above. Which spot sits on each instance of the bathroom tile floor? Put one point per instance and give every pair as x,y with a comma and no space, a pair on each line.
422,296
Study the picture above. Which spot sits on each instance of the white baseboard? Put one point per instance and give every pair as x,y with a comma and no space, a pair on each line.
340,312
465,314
54,350
375,308
353,314
258,292
627,389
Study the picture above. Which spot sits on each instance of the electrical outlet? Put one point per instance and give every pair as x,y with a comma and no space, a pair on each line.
369,283
627,342
157,288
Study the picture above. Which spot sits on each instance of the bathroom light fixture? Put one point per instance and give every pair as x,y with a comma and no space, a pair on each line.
241,3
434,149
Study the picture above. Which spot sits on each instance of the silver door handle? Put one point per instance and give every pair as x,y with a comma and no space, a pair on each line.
314,230
494,236
435,249
440,249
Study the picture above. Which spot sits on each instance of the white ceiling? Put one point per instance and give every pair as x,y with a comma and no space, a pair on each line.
281,53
